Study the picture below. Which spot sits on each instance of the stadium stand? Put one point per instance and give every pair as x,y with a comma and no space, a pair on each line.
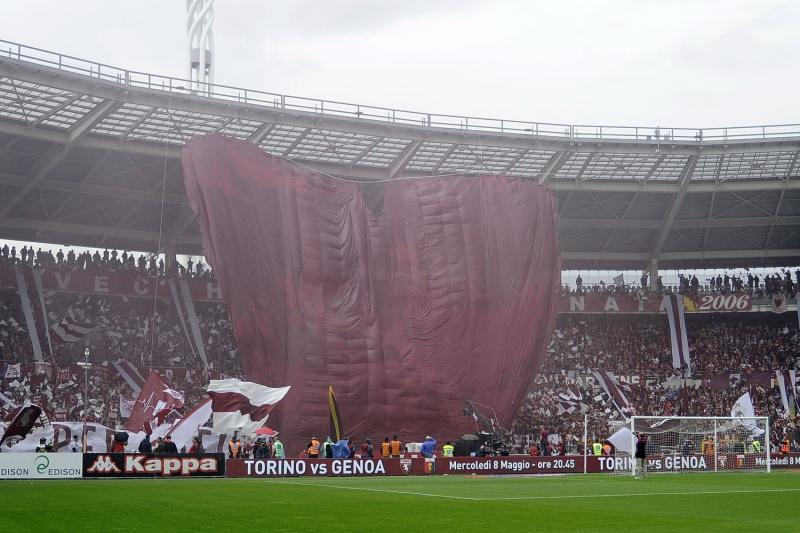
732,353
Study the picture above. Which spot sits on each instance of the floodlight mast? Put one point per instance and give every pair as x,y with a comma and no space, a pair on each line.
200,37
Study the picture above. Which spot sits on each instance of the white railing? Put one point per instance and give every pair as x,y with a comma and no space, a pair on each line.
28,54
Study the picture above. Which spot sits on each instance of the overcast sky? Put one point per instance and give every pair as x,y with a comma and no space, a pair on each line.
682,63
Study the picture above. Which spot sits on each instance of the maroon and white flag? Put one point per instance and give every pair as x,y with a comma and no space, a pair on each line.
190,425
69,331
22,421
673,304
615,390
242,405
156,400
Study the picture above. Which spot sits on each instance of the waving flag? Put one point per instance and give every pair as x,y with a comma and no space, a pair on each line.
788,390
69,331
156,400
189,426
22,422
673,304
242,405
615,390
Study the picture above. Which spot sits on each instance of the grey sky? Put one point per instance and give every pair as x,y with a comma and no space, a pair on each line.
630,62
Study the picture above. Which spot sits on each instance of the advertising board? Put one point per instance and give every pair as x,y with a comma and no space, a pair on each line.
40,465
122,465
325,467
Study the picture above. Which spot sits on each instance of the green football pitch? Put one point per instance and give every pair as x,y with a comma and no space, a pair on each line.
679,502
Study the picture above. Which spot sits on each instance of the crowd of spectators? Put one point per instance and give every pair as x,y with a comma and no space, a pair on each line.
543,412
723,345
148,333
640,344
109,262
758,286
145,331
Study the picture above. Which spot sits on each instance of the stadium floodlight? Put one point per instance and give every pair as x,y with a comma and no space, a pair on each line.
694,444
200,35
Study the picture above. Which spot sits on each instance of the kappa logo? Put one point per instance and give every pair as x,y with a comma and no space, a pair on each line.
168,466
103,464
405,466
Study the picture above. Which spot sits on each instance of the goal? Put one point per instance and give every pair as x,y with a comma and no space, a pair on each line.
695,444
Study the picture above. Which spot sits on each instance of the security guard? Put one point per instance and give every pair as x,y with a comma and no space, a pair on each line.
756,446
277,449
313,448
447,449
234,448
597,448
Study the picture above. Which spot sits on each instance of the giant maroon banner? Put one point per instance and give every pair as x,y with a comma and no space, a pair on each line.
408,297
596,303
326,467
115,284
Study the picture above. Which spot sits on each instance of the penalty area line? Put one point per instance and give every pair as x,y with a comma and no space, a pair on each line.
366,489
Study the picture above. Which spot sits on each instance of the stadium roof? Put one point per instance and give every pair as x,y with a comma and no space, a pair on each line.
86,148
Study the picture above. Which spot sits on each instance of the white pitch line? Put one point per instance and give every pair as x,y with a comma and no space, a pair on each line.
692,493
561,497
325,485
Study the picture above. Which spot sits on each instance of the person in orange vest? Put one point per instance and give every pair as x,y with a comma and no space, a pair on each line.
234,448
386,448
394,445
313,448
785,445
707,448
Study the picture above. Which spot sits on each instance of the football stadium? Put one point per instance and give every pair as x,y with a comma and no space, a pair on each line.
227,308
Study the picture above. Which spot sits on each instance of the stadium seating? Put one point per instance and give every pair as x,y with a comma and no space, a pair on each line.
731,354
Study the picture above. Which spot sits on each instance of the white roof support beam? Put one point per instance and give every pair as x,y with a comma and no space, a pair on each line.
399,164
92,189
57,154
260,133
552,166
611,223
672,212
87,230
184,220
641,257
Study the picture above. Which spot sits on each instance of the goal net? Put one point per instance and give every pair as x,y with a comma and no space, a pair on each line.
694,444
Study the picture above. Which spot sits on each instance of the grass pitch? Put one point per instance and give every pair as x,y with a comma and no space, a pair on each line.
663,502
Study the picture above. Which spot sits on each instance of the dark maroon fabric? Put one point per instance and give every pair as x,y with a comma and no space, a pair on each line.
144,415
408,297
231,402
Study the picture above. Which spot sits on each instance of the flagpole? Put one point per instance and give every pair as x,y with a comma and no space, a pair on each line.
86,366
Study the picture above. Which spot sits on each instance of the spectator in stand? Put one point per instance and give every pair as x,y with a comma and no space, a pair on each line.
169,446
75,446
144,445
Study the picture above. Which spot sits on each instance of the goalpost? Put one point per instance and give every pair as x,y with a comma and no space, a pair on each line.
696,444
